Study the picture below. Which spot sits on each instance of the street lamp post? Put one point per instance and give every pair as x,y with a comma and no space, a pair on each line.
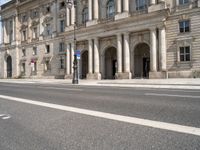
70,4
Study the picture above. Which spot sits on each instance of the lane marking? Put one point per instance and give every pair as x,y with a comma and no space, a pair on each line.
132,120
5,116
171,95
58,88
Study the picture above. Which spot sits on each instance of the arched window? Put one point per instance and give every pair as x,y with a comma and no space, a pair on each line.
85,15
110,9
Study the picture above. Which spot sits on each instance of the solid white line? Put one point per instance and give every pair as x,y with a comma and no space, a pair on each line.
58,88
171,95
132,120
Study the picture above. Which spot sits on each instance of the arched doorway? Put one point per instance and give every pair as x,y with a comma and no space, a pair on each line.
110,63
141,61
9,66
84,64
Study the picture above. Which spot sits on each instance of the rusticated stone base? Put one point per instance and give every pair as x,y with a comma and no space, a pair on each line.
93,76
124,75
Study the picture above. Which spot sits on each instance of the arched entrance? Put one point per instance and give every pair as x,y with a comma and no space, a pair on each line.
110,63
84,64
9,66
141,61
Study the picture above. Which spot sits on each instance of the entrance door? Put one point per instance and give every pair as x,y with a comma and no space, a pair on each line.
9,67
110,63
141,61
146,67
84,64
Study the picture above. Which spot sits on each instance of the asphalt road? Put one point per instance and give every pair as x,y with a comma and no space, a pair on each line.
26,126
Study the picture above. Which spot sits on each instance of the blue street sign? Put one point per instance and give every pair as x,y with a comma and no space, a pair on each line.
78,54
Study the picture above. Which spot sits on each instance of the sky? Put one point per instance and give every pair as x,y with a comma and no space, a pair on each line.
1,3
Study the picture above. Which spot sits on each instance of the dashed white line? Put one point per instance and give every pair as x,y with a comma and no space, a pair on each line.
132,120
171,95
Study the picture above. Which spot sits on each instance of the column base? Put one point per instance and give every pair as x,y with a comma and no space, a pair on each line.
68,76
124,75
121,15
93,76
91,23
158,75
69,28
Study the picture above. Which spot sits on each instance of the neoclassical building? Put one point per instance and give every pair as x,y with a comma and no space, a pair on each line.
117,39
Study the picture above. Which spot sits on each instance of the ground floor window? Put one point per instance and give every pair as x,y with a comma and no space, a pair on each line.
62,63
23,68
185,53
47,65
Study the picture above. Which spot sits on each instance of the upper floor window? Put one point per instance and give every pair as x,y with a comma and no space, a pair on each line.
182,2
24,35
184,26
47,49
185,53
48,29
48,9
35,35
35,14
141,4
110,8
62,26
62,5
24,18
85,15
34,50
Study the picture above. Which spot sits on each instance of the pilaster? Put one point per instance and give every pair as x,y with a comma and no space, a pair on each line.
153,52
163,53
127,73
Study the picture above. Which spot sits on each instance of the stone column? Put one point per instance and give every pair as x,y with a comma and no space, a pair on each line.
96,9
13,28
152,2
67,17
2,32
163,52
119,6
73,13
68,59
153,52
55,17
96,55
90,62
72,57
126,53
90,10
126,5
5,37
119,53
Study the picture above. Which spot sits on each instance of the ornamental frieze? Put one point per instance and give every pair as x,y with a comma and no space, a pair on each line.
62,14
34,23
47,19
23,27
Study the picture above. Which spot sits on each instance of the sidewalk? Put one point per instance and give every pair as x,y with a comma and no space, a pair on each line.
143,83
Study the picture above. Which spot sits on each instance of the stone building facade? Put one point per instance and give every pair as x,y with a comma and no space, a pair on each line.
120,39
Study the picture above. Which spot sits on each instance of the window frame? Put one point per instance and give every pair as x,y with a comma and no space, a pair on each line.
184,54
109,7
183,30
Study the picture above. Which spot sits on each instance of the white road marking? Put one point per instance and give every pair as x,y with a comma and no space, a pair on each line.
171,95
5,116
132,120
58,88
